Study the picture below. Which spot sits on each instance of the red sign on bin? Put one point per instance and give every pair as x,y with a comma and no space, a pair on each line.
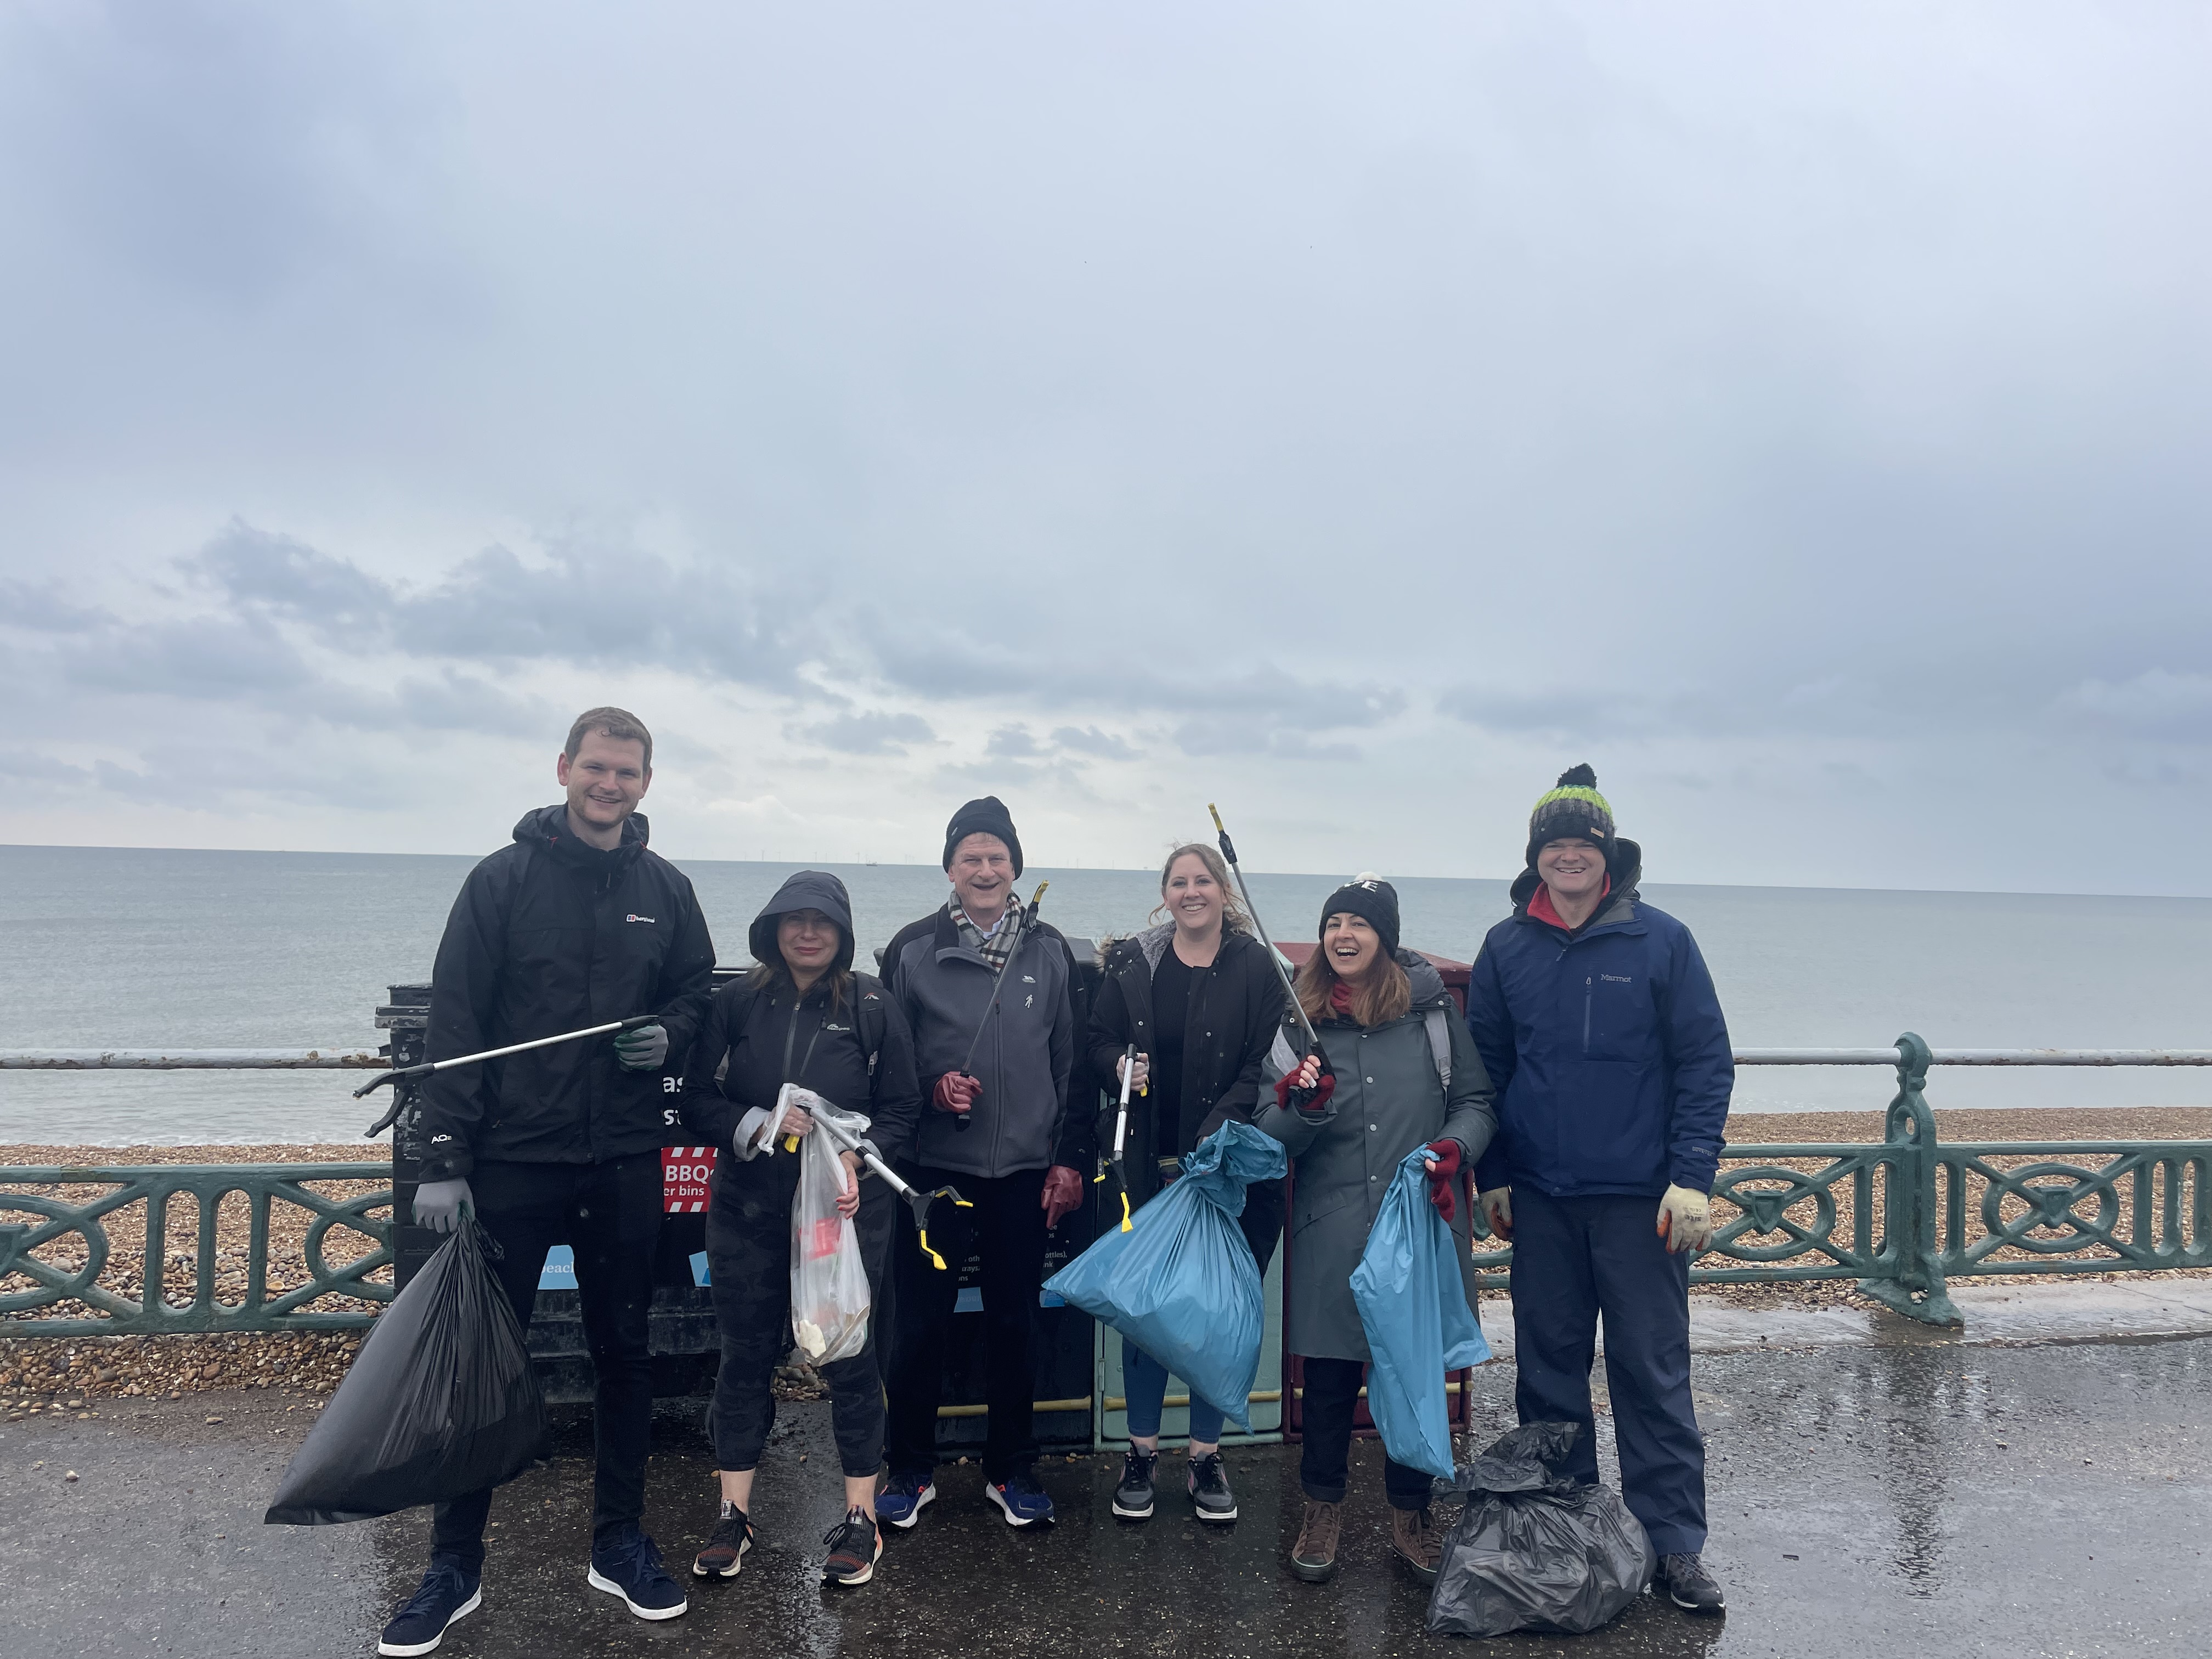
684,1171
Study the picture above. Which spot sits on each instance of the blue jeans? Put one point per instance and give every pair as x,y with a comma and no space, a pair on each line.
1145,1384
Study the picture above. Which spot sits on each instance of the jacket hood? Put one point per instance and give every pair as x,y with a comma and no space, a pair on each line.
1428,984
809,889
1153,942
1625,865
546,828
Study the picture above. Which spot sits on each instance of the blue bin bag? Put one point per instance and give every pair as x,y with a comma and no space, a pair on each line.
1413,1304
1181,1284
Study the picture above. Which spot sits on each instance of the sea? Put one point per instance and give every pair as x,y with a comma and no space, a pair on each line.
139,948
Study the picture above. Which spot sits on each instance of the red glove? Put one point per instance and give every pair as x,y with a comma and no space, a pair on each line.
1063,1193
957,1091
1311,1102
1446,1153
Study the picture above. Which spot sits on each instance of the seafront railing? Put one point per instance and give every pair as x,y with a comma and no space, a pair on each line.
1900,1217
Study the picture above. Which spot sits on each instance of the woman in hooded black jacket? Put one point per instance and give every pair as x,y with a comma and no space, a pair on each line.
800,1016
1199,997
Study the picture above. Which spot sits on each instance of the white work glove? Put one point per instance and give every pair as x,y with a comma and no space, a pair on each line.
642,1048
440,1205
1685,1220
1498,1211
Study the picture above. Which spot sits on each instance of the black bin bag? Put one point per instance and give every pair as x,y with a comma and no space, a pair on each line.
440,1402
1533,1549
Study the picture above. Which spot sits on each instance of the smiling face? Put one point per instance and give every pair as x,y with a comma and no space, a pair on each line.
605,781
1574,869
982,872
1193,899
809,941
1351,944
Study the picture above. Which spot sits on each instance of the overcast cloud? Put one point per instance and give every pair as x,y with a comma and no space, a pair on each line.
1352,414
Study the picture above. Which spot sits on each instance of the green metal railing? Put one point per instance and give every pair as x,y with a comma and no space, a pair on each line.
1900,1217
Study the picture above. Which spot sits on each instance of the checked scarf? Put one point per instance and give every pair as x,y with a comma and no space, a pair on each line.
996,945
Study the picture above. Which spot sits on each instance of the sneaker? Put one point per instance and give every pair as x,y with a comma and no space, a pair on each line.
1313,1558
724,1553
1414,1536
1132,1498
1208,1485
901,1501
1689,1585
1021,1498
856,1544
449,1591
629,1566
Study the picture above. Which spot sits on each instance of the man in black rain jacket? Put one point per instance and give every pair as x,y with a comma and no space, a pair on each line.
576,924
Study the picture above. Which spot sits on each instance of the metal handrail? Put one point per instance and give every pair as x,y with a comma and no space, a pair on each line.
368,1060
192,1060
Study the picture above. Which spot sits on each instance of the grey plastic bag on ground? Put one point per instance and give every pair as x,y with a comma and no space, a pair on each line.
1533,1549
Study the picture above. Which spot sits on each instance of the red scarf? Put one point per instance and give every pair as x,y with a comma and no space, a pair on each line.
1339,998
1540,908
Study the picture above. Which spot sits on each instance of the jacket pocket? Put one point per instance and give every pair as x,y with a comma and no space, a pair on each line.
1611,1134
1311,1210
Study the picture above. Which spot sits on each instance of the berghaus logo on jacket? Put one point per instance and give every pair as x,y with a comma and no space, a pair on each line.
644,919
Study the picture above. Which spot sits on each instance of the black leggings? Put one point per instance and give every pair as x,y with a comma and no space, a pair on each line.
1324,1460
749,1259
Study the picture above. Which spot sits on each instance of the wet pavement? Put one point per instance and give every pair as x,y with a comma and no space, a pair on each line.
2017,1501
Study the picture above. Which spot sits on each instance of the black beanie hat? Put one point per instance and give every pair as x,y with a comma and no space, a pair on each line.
1369,895
987,817
1575,809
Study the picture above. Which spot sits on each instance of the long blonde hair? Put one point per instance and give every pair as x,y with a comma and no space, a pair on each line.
1387,995
1235,918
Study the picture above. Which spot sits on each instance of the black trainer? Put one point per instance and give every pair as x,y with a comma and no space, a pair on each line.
629,1565
856,1544
1208,1485
1689,1585
1132,1498
449,1591
723,1554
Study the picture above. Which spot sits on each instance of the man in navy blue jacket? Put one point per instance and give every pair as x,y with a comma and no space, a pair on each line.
1598,1023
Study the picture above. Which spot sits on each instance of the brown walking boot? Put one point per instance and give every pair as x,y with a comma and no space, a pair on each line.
1313,1558
1419,1545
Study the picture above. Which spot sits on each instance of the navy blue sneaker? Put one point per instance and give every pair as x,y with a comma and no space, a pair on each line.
629,1565
901,1501
1021,1498
449,1591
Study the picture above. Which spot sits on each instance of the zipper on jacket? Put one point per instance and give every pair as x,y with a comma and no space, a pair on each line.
1589,984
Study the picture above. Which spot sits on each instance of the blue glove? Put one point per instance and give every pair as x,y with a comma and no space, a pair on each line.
642,1048
440,1205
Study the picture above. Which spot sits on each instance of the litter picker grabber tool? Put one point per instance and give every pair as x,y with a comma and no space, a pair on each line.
1022,921
424,1070
1121,1134
1229,851
917,1199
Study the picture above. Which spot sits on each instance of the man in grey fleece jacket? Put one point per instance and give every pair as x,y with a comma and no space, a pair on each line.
1001,1132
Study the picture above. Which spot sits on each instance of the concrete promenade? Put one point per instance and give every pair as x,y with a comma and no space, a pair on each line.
1907,1493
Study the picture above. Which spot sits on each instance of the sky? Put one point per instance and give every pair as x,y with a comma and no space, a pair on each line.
1354,415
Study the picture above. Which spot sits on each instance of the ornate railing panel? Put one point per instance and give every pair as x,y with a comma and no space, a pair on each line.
64,1253
1898,1216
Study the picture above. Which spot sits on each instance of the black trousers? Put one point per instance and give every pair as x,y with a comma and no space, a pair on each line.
1325,1460
1008,1226
1573,1259
610,1215
749,1259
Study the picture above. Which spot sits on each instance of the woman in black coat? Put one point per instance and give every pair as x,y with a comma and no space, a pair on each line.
1198,996
801,1016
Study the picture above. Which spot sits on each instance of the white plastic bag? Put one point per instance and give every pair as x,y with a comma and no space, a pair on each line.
829,1299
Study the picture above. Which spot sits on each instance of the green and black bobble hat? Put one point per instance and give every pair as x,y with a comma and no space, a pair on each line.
1574,808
